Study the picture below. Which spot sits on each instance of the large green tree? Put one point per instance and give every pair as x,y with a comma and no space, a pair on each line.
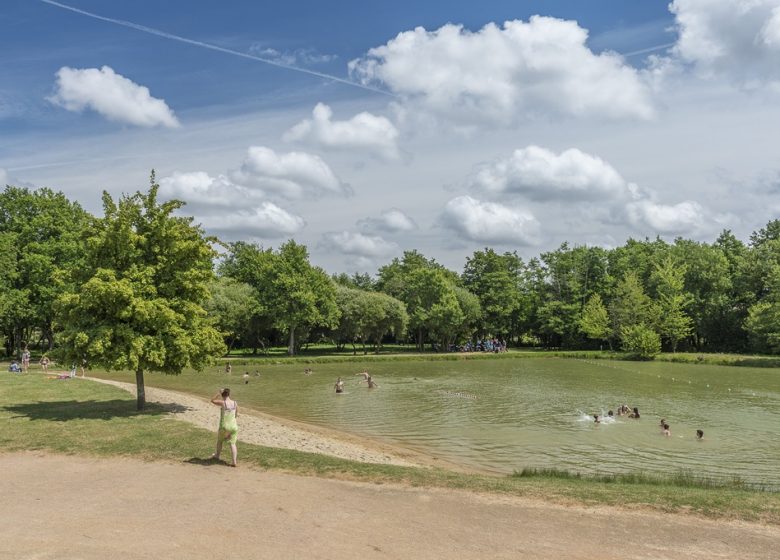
42,232
138,298
232,305
671,321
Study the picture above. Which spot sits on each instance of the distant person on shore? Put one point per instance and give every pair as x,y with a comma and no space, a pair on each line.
14,367
25,360
666,431
228,426
699,435
634,414
45,363
228,368
339,386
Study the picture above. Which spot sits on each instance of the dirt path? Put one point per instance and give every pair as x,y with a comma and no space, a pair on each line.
262,429
61,507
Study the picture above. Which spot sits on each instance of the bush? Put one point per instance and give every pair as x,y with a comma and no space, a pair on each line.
640,342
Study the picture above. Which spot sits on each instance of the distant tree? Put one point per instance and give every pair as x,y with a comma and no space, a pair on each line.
138,299
763,320
671,320
495,279
231,306
640,341
594,321
368,317
357,280
630,305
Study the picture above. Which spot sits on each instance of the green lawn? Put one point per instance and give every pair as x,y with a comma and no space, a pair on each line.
86,418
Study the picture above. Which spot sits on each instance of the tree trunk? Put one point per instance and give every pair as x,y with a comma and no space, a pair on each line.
291,345
139,385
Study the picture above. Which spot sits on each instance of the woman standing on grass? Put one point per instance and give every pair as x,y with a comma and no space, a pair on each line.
228,427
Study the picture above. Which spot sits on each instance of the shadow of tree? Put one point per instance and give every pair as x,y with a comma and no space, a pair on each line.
62,411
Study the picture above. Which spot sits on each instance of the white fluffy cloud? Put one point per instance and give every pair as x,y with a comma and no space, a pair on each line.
112,95
364,132
739,39
292,174
358,244
264,221
208,194
505,73
392,221
540,174
488,222
684,217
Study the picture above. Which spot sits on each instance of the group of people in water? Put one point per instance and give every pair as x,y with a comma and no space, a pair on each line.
624,410
340,386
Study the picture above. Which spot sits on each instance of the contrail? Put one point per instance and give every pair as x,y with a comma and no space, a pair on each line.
181,39
640,51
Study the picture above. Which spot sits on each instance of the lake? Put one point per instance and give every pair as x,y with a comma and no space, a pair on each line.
505,414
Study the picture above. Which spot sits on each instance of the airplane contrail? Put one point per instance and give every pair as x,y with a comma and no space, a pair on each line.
171,36
648,49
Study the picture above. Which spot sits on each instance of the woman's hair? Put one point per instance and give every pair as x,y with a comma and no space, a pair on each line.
225,393
699,433
666,426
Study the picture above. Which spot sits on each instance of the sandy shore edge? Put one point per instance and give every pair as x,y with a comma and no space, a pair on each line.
263,429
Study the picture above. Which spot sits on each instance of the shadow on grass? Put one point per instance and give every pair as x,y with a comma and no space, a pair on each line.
62,411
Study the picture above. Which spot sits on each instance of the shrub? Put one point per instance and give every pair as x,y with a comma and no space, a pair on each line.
640,342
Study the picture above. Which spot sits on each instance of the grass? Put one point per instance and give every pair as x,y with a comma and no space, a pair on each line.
85,418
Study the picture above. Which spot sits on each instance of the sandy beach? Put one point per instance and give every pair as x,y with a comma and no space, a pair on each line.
263,429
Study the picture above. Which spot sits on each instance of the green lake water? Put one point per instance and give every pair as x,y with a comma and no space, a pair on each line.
505,414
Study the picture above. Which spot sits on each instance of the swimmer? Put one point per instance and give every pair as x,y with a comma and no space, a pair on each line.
339,386
371,384
365,375
610,414
246,377
666,431
596,419
663,421
634,414
699,435
228,368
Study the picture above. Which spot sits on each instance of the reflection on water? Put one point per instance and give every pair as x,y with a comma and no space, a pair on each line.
503,415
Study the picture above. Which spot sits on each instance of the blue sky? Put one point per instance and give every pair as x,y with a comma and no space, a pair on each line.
517,136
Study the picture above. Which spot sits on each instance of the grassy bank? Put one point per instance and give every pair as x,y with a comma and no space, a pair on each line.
80,417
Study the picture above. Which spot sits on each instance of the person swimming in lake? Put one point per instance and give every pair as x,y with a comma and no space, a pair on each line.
339,386
699,435
611,414
228,425
371,384
634,414
228,368
666,431
663,421
365,375
596,419
246,378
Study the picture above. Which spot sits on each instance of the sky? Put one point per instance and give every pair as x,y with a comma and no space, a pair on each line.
365,129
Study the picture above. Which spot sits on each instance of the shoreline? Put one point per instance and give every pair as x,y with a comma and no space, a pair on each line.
261,428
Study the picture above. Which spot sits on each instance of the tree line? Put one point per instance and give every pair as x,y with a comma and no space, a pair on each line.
145,288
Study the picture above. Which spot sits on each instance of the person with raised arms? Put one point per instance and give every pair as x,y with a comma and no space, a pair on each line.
228,426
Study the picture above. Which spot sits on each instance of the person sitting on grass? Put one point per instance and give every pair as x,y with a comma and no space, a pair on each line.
14,367
228,426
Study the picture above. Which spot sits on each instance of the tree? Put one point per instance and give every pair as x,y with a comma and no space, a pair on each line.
231,306
368,316
138,299
495,280
630,306
594,321
672,322
763,320
44,230
640,341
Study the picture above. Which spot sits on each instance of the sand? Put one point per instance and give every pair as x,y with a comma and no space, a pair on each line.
68,507
262,429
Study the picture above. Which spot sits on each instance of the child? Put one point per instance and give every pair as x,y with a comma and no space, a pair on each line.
699,435
666,431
